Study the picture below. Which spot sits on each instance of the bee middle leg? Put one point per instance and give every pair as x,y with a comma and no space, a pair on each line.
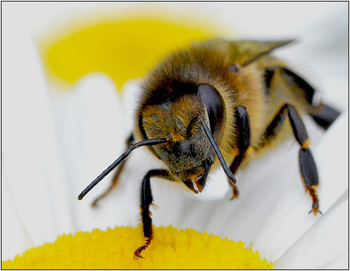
307,163
146,201
115,180
243,141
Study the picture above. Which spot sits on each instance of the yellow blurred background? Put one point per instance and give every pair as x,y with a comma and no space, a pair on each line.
123,48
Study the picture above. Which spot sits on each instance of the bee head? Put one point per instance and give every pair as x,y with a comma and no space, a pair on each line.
174,112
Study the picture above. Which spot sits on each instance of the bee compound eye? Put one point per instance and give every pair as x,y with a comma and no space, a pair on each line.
214,104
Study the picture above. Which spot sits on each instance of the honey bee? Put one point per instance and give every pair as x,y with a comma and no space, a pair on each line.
230,100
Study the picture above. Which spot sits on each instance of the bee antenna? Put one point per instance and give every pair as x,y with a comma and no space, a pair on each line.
217,151
147,142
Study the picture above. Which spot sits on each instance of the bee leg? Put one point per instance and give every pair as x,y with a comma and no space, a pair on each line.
115,180
243,141
307,163
323,115
146,201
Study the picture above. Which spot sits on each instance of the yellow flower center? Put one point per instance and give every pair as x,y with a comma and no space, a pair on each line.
124,48
114,249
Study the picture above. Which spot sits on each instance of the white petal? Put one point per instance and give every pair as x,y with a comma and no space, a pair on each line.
31,163
324,245
91,124
288,220
130,99
15,238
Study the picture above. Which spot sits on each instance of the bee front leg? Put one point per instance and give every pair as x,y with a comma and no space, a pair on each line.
116,175
242,126
146,201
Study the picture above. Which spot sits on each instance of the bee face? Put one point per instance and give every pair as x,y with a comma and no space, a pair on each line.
189,155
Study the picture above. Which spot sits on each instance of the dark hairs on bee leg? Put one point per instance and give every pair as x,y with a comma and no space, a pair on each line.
147,142
217,151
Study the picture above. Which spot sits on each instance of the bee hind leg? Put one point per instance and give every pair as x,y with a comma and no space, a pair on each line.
307,163
324,115
116,176
146,201
242,126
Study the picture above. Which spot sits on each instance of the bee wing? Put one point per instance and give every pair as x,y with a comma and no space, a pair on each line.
246,52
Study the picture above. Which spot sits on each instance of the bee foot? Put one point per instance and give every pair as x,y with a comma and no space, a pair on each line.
137,253
315,211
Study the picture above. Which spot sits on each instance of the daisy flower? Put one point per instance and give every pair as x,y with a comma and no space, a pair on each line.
55,143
